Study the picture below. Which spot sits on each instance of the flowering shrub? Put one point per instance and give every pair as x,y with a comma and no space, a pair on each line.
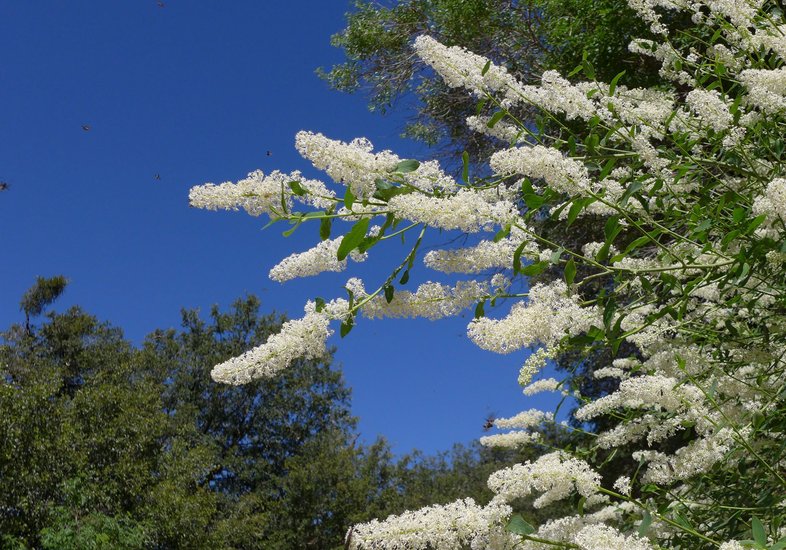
685,285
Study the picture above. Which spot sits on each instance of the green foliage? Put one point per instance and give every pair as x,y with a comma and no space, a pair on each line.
105,446
138,448
528,36
377,42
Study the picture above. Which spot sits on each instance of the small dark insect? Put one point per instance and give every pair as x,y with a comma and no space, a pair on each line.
160,4
86,127
269,154
158,177
489,423
4,186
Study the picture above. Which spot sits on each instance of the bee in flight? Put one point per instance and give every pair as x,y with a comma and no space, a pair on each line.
86,127
489,423
4,186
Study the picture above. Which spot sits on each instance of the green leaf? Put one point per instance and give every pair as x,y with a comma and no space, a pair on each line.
406,166
534,269
755,222
324,228
534,201
347,326
496,117
404,278
608,167
517,257
485,68
297,189
320,304
502,233
295,224
570,272
575,209
613,85
759,534
632,188
646,521
349,199
587,67
352,239
519,526
465,169
389,291
479,310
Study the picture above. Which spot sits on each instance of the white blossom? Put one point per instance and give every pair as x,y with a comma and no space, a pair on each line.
319,259
556,475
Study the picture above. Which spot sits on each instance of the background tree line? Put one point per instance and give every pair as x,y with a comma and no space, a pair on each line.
108,445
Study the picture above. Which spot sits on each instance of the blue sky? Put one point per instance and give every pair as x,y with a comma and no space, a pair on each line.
199,92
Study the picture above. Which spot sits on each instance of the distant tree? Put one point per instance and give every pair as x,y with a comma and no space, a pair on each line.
528,36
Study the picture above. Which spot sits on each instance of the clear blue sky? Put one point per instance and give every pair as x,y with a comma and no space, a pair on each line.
199,91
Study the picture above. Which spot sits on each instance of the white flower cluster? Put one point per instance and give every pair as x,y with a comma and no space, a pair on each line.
555,475
520,423
352,164
467,210
460,68
603,537
766,88
773,201
430,300
319,259
298,339
710,108
561,173
486,255
454,526
257,194
550,314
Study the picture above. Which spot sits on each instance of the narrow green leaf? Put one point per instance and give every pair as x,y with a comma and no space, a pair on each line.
502,233
570,272
324,228
349,199
575,209
295,225
496,117
389,291
297,189
465,169
485,68
613,85
517,257
352,239
346,326
480,310
759,534
755,222
607,168
404,278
